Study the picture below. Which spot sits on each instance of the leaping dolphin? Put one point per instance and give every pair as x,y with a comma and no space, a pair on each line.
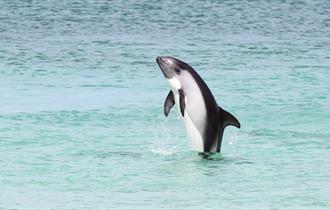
204,120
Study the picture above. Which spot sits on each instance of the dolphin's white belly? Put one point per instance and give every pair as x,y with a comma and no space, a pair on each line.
194,134
195,110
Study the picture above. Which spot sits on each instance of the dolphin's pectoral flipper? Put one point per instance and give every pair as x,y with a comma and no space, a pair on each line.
228,119
182,102
169,103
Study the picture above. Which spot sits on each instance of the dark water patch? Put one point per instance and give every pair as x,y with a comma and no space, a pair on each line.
99,85
235,160
120,154
217,158
287,134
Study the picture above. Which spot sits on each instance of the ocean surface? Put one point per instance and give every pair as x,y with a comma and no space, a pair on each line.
81,104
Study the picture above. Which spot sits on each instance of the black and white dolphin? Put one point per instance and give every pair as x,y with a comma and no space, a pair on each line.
204,120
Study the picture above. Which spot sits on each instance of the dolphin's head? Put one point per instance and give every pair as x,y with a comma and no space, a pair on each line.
173,69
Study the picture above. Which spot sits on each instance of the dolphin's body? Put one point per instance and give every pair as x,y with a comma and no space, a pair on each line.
204,120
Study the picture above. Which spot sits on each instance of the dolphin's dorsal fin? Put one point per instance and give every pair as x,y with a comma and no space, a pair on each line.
228,119
169,103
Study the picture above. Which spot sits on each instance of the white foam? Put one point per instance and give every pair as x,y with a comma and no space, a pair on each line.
233,138
164,151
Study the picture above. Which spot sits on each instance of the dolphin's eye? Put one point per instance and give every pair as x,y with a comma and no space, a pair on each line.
177,70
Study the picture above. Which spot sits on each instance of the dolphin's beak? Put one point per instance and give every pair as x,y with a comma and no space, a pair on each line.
158,59
162,63
164,59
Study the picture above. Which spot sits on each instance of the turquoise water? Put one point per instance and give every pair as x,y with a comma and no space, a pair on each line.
81,116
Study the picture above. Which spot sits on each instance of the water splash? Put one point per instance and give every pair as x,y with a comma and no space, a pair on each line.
163,151
233,139
163,143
